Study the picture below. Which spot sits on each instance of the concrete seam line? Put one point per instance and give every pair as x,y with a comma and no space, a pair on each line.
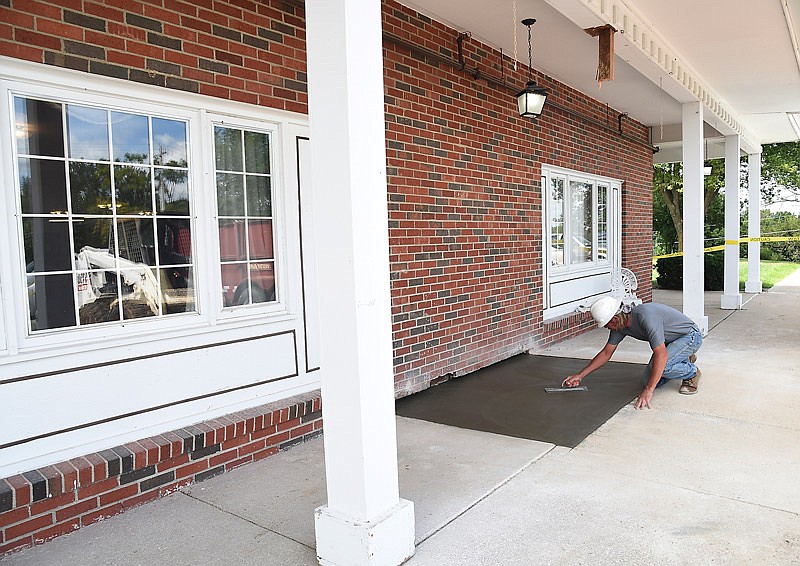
245,519
435,530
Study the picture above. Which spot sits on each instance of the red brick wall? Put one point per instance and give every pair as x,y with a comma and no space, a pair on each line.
465,206
41,504
249,51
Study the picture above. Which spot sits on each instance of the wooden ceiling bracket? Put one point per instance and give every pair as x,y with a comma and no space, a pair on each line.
605,62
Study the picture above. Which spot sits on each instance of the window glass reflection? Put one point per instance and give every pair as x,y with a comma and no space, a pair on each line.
256,149
174,242
131,138
232,240
557,222
177,289
172,191
245,237
90,188
134,189
260,239
98,297
47,244
169,142
136,241
259,196
581,230
602,222
230,194
92,232
38,127
88,133
51,303
43,186
96,248
228,149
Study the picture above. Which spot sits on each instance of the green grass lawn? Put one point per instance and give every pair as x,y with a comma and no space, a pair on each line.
771,272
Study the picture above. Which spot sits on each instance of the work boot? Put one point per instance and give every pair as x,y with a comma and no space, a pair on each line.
693,358
689,386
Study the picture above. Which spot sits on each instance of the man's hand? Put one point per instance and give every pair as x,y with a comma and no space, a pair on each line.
644,399
571,381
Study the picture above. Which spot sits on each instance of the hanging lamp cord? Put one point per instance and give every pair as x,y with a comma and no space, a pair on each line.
530,56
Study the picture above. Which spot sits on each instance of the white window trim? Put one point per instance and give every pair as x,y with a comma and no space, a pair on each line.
29,79
593,272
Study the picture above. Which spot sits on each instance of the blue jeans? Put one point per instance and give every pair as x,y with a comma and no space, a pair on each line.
678,364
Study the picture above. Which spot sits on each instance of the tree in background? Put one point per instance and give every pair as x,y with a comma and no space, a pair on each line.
780,172
780,182
668,203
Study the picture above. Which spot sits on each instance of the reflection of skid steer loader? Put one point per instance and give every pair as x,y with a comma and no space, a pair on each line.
137,276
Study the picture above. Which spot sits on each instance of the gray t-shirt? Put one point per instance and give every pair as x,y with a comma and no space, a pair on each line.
654,323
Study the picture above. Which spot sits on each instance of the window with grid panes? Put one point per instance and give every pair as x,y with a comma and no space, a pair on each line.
105,213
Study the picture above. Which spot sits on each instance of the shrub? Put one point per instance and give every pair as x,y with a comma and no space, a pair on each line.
670,272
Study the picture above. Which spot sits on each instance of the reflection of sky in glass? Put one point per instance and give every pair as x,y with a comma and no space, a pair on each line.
130,137
88,132
169,141
21,126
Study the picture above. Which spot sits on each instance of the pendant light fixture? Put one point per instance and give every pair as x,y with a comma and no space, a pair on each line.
530,101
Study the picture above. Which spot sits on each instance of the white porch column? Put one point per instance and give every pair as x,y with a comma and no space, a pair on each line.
753,283
364,523
693,221
731,297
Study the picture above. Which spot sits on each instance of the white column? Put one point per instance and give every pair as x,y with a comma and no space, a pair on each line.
364,522
731,297
753,283
693,221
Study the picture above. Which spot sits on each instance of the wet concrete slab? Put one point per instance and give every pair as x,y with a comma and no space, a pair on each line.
509,398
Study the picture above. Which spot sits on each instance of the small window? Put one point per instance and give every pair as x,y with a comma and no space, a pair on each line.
582,216
245,218
105,214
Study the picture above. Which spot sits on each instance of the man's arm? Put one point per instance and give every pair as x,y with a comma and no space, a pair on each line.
597,362
657,370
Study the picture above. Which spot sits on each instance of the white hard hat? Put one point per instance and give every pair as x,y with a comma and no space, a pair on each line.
604,309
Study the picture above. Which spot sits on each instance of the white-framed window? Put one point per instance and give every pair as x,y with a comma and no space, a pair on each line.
581,220
104,213
132,211
243,185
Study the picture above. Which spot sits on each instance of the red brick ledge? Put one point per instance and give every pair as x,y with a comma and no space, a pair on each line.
566,326
39,505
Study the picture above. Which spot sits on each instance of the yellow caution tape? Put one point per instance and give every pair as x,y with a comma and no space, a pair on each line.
772,239
736,242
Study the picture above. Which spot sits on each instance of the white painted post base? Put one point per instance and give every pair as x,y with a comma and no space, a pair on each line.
753,287
731,302
387,540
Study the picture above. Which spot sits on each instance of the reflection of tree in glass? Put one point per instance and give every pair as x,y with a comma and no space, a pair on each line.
230,194
25,192
133,189
259,196
256,147
90,186
166,182
228,149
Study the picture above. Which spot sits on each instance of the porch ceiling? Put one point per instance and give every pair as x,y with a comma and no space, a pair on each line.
738,56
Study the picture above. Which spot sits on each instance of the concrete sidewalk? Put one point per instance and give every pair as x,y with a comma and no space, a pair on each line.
704,479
